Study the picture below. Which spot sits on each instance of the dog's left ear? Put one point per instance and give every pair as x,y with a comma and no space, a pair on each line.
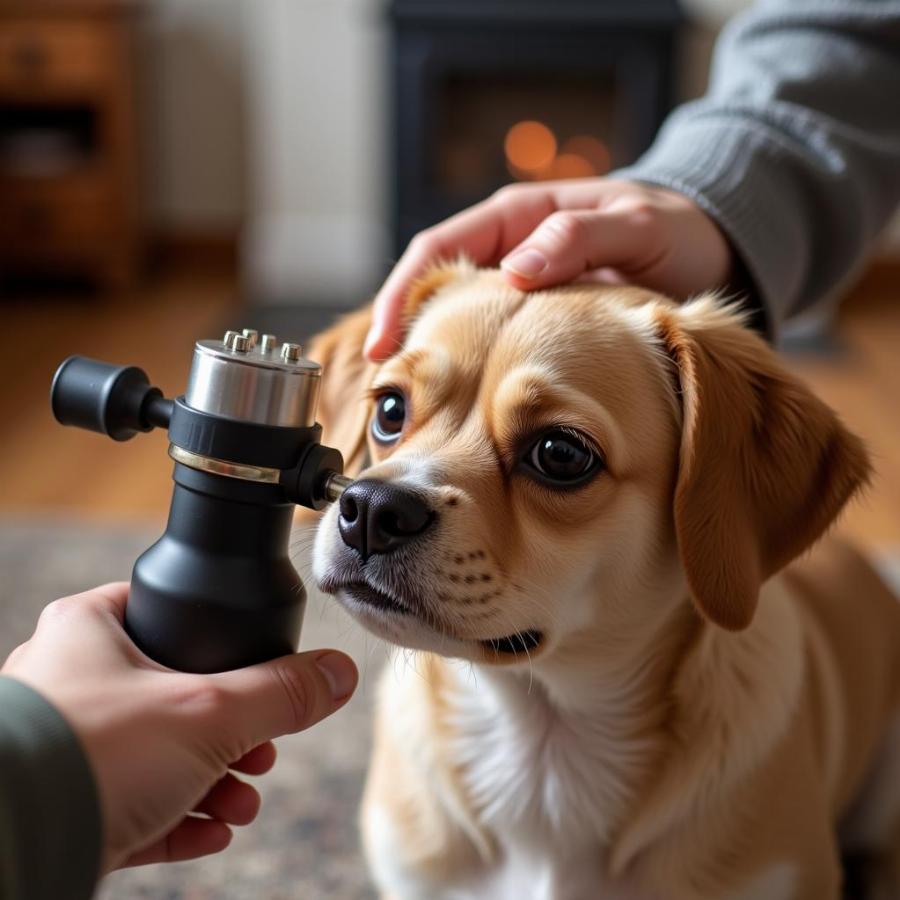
765,466
343,410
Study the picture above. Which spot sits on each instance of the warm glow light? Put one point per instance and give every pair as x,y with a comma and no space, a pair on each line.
531,153
571,165
530,147
591,149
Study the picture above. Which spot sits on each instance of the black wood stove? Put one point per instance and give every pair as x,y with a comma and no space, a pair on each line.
491,91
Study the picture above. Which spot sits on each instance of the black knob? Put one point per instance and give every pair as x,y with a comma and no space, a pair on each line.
113,400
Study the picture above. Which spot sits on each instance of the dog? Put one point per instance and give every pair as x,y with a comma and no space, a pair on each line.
582,510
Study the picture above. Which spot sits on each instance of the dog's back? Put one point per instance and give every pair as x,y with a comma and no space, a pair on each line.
854,632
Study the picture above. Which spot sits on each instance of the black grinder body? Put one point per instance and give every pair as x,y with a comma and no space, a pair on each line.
218,590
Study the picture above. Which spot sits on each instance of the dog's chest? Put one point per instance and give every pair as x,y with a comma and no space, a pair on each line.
523,874
543,781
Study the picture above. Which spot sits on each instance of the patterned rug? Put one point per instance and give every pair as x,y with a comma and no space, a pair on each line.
305,842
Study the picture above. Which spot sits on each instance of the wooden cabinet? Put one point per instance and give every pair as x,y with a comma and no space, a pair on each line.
69,198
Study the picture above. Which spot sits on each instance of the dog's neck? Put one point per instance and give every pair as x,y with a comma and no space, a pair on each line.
581,743
563,746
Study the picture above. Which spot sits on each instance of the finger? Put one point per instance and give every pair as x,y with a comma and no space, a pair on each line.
287,694
108,598
258,761
603,275
102,606
230,800
484,233
571,242
109,602
190,838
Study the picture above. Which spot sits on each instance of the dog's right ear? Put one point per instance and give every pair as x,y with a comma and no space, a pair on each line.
765,466
344,408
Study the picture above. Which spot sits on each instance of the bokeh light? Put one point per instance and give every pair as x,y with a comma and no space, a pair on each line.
530,148
591,149
533,154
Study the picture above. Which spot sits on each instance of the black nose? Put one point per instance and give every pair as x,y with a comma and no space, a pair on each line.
377,517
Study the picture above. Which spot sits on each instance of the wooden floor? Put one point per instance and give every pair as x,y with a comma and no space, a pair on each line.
49,470
862,382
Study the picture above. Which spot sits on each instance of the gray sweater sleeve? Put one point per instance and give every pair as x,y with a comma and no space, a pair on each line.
795,149
49,813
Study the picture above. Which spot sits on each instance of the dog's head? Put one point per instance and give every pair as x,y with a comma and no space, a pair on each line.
567,462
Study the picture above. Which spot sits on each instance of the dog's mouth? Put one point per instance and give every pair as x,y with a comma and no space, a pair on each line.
362,593
520,642
365,594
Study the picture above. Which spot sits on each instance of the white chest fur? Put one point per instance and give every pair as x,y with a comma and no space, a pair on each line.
546,773
545,778
547,786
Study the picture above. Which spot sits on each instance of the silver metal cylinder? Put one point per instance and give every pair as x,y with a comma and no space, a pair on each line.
335,486
252,385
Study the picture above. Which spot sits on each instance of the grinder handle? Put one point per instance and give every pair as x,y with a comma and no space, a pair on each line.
118,401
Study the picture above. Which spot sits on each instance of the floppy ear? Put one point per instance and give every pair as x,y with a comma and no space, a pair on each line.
764,468
343,410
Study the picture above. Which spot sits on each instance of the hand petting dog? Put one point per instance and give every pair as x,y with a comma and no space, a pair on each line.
546,234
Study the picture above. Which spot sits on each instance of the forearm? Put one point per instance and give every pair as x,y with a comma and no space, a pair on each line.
795,150
49,815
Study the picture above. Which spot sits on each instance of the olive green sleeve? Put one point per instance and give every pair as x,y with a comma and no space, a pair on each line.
50,838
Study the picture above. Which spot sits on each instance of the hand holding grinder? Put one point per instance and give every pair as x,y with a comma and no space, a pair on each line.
218,591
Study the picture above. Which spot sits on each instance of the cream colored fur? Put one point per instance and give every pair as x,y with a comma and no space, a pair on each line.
697,718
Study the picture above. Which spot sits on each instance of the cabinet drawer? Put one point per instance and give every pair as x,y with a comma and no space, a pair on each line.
58,213
57,57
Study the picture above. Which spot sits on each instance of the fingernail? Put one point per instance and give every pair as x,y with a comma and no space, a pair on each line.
339,672
527,263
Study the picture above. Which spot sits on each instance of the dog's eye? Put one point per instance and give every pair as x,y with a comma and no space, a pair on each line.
390,414
561,457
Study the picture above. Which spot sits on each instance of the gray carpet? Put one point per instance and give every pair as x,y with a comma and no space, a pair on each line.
305,842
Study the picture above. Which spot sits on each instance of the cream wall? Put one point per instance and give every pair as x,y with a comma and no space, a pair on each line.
193,113
271,115
317,114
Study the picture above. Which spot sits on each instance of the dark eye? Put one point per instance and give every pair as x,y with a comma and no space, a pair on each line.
390,414
562,458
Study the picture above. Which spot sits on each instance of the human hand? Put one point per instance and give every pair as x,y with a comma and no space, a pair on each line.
553,232
164,744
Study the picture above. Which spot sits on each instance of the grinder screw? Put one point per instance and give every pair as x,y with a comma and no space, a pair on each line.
291,352
236,342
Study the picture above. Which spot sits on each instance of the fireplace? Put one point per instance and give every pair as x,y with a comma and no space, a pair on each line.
487,92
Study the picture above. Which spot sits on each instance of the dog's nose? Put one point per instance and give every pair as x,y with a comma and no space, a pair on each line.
377,517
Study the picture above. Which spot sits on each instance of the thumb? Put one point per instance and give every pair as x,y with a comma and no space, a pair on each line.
288,694
569,243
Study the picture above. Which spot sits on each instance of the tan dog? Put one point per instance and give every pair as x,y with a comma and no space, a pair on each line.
579,511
